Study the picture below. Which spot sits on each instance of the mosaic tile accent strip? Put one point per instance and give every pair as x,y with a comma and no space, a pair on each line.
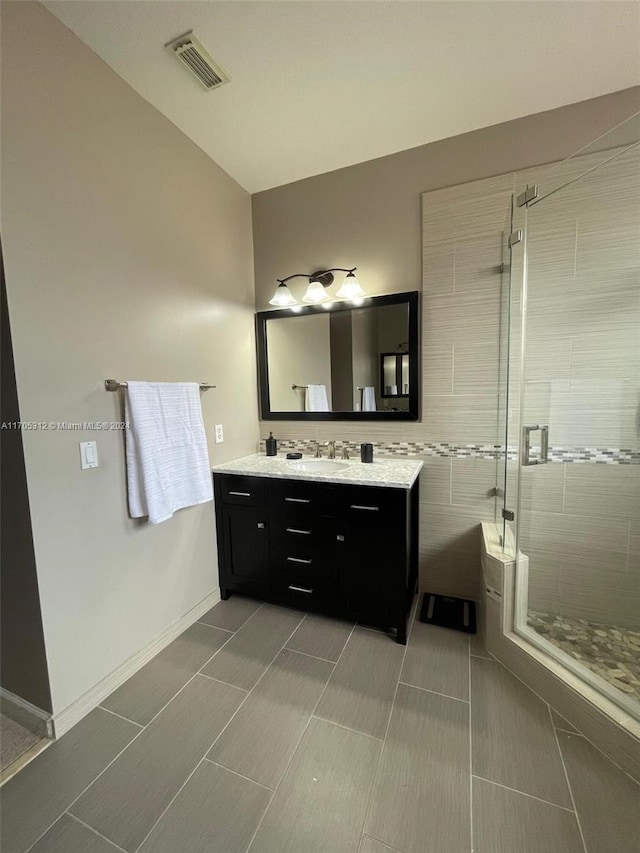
599,455
612,653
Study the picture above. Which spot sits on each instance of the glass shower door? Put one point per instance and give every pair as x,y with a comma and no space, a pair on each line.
578,512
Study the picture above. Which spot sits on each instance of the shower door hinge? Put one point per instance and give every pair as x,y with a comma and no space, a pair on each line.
515,237
508,514
529,195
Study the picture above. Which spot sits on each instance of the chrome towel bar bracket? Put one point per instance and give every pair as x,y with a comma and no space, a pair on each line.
113,385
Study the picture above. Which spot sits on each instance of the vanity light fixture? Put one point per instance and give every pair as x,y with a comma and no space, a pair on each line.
283,298
351,288
316,292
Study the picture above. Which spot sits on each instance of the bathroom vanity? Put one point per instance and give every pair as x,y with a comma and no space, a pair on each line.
331,536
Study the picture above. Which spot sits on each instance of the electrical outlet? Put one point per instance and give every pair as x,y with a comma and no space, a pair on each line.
219,434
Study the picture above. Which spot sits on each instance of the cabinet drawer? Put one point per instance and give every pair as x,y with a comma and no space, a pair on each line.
305,534
243,491
298,591
378,506
291,499
305,562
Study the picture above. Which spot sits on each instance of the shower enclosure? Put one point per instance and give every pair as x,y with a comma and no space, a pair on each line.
570,395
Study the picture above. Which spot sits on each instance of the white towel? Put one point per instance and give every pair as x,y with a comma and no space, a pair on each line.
315,399
167,457
368,398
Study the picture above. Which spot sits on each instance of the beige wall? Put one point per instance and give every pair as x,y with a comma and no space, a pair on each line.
128,254
369,215
298,350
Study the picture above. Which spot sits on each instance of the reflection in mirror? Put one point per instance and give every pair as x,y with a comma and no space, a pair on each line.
336,357
343,360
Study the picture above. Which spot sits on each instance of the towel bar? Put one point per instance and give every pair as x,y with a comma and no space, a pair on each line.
113,385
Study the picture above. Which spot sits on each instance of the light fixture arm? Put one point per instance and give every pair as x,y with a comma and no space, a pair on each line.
321,275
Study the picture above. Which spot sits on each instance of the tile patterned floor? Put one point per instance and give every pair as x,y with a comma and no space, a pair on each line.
262,730
612,653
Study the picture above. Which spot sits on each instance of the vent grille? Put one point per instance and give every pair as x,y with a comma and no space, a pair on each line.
190,53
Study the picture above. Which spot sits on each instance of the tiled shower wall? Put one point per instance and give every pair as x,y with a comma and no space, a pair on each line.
580,521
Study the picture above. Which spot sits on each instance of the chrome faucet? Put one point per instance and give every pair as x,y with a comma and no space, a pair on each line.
332,449
318,452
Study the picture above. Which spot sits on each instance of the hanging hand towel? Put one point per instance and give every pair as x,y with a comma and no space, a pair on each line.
166,449
368,398
315,399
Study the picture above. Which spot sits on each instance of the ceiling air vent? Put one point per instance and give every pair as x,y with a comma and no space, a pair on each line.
188,50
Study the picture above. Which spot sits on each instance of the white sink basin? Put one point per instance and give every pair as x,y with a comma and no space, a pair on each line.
317,466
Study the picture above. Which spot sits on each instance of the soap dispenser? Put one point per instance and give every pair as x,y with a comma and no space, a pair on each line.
272,445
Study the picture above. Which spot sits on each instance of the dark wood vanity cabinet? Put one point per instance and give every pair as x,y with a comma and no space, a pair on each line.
344,550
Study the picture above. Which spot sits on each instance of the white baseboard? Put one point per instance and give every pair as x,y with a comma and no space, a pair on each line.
30,716
72,714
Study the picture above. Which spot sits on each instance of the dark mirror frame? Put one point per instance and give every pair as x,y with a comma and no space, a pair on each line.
411,299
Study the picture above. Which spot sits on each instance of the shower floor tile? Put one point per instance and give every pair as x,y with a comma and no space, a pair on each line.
612,653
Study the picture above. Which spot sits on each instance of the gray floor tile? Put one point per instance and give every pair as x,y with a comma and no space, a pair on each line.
263,735
321,636
370,845
69,836
38,795
438,659
321,803
560,723
148,691
215,812
513,739
421,799
251,650
360,691
125,802
607,800
231,614
477,646
507,822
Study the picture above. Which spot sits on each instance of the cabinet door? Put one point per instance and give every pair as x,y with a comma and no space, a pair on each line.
246,549
373,555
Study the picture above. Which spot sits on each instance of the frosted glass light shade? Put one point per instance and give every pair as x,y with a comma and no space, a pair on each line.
351,288
316,292
283,298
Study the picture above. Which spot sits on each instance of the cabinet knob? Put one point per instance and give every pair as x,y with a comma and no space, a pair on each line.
261,525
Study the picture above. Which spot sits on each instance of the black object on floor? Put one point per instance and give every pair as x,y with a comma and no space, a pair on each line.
458,613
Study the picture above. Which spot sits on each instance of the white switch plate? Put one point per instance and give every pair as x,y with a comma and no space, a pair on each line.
219,434
88,454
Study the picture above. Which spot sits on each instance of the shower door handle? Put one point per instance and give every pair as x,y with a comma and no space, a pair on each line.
544,444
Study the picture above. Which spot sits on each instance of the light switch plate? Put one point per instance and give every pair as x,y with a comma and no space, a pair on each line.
88,454
219,434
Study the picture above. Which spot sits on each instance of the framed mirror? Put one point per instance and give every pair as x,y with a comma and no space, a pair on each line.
339,361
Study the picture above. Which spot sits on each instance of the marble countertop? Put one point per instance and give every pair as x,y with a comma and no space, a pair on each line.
392,473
